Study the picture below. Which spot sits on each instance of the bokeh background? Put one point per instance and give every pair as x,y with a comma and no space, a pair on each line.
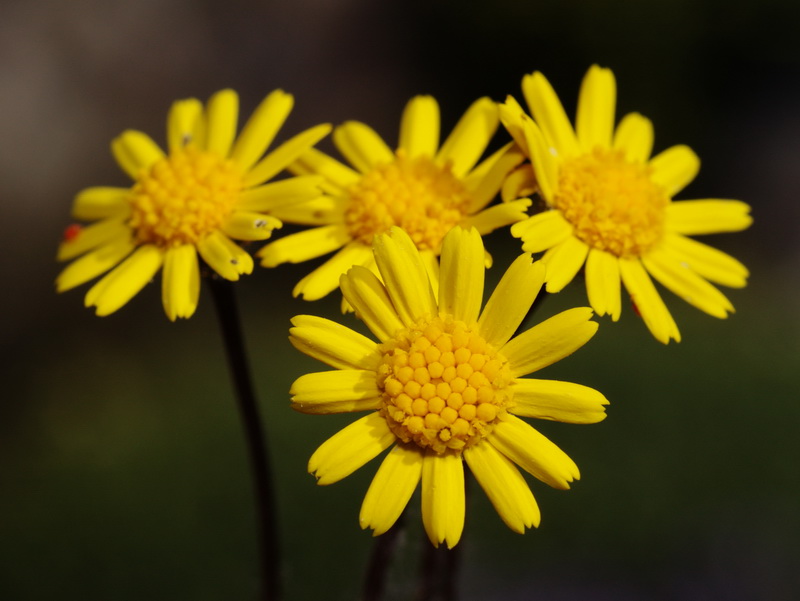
122,470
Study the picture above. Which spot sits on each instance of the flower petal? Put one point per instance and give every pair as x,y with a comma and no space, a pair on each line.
100,202
362,146
248,225
520,182
180,282
533,452
135,151
497,216
634,137
512,115
93,236
504,485
350,448
294,190
333,343
324,210
443,498
674,168
419,127
224,256
597,104
371,303
339,391
125,281
404,275
222,115
648,302
461,275
710,263
543,231
261,128
558,401
470,137
684,282
709,216
486,180
304,245
511,300
325,278
603,283
183,123
391,488
285,155
548,112
563,263
94,263
549,341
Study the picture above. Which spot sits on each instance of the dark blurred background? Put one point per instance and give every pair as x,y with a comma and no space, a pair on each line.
122,470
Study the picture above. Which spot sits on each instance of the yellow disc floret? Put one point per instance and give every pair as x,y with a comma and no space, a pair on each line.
443,386
416,194
613,204
183,197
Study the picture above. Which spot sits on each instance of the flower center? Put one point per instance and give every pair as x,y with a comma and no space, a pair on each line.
612,204
423,198
184,197
443,386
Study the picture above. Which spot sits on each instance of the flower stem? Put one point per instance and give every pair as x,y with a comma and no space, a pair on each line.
255,437
380,561
439,571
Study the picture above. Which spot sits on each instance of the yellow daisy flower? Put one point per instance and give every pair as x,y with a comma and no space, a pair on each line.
206,191
612,209
421,187
443,385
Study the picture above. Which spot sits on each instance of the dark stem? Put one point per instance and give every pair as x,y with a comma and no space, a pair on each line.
380,561
228,315
439,570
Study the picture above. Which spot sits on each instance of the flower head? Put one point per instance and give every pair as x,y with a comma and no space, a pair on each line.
421,187
443,386
207,190
611,206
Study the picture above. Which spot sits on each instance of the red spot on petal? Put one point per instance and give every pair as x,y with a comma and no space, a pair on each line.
636,309
72,231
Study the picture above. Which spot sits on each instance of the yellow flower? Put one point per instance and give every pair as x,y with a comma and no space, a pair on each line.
207,190
444,385
612,209
421,187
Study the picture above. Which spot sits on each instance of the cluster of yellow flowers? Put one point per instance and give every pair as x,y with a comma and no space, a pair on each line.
443,384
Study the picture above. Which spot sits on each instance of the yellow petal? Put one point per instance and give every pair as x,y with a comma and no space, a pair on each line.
183,123
563,263
224,256
362,146
93,236
391,488
674,168
325,278
261,129
486,180
371,303
339,177
304,245
125,281
461,275
101,202
470,137
549,341
603,283
511,116
249,225
597,103
504,485
533,452
520,182
548,112
419,127
498,216
712,264
294,149
340,391
180,282
443,499
333,343
634,137
275,195
404,275
648,302
545,162
221,118
135,151
542,231
511,300
558,401
350,448
708,216
94,263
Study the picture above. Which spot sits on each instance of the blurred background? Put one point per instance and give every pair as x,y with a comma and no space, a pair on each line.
122,469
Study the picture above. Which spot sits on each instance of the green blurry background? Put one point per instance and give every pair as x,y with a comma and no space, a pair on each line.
122,470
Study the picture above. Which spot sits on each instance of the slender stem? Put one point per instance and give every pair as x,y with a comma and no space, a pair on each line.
380,561
439,570
228,315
